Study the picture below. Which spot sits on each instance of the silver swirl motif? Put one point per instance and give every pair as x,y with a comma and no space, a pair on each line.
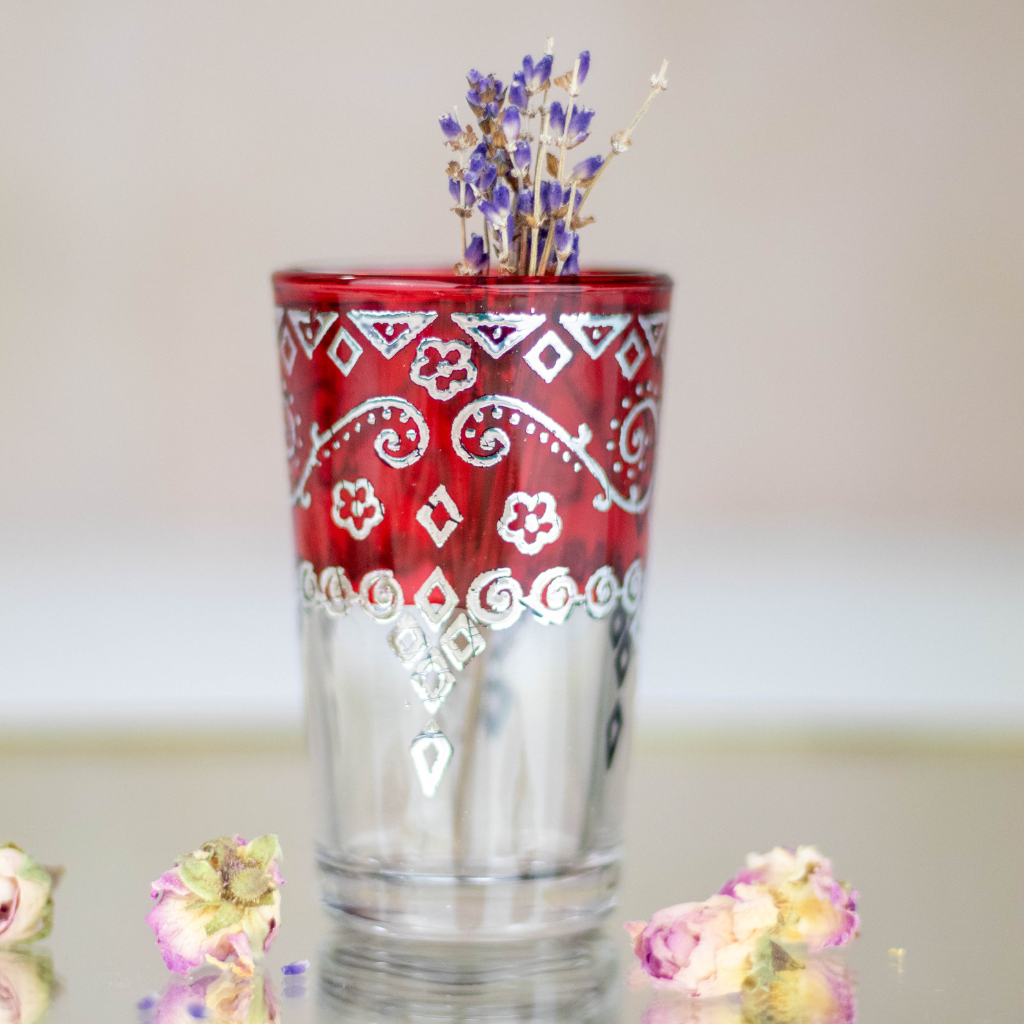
634,442
601,592
503,595
495,445
553,596
335,590
381,596
633,587
308,589
388,444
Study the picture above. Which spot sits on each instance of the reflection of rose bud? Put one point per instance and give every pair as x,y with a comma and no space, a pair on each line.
225,998
26,981
820,993
26,904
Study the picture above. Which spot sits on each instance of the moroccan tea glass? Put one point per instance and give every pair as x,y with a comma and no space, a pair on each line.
471,462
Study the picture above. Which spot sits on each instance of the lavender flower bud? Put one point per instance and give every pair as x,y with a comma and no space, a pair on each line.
450,127
476,258
584,67
550,196
517,92
586,169
556,119
535,75
564,239
572,263
511,124
579,126
521,156
524,203
455,188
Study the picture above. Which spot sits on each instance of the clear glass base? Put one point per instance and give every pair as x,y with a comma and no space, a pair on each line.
471,909
381,979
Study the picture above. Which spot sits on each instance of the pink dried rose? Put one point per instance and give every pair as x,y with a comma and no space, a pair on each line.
704,949
26,896
814,907
220,902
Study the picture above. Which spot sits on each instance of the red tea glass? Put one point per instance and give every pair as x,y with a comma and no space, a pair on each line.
471,462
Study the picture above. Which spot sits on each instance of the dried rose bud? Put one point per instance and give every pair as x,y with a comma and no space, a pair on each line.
221,901
26,897
26,984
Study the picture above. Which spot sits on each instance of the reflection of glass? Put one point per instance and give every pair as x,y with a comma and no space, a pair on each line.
26,984
572,980
823,992
222,998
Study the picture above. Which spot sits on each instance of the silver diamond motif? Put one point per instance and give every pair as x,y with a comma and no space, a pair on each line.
629,364
408,641
473,643
562,351
286,344
432,680
430,740
425,516
436,614
354,348
655,328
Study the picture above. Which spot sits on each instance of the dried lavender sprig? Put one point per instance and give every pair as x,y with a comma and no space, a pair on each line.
574,91
620,140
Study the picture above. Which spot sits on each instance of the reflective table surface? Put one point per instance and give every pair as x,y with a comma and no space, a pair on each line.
929,832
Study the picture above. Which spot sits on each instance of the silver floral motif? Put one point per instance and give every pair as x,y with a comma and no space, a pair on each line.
601,592
553,596
655,328
380,327
387,444
631,355
425,515
430,740
545,528
355,350
502,594
444,369
498,333
335,590
355,507
534,358
462,641
436,614
593,331
381,595
494,442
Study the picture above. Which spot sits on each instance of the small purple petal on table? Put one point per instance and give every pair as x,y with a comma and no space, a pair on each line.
147,1002
298,967
197,1010
294,991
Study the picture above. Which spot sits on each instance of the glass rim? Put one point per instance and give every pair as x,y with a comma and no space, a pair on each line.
599,277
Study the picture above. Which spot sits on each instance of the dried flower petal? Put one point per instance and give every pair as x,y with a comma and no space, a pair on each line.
26,897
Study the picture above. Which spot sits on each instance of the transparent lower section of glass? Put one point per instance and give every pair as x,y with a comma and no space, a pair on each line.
504,823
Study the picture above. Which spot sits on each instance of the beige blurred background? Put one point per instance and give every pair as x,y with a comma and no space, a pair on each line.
836,188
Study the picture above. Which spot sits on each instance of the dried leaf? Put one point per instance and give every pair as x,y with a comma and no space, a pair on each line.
453,170
564,81
581,222
552,162
500,142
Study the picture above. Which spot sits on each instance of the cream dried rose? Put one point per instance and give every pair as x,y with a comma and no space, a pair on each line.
815,908
26,897
222,901
26,981
704,949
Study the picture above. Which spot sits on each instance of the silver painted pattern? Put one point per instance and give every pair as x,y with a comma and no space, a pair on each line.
425,515
495,444
563,355
433,613
601,592
532,522
655,328
629,364
345,494
431,738
387,443
593,331
444,369
472,641
391,340
355,350
632,587
381,596
502,594
553,596
498,333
